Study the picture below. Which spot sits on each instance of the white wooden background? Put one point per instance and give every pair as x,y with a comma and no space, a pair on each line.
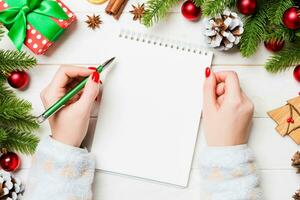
82,46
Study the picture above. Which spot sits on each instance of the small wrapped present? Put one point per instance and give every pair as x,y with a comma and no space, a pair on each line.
35,23
287,118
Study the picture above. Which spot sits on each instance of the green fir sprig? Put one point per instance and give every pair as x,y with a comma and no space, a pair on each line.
15,60
23,142
213,7
255,29
14,114
1,31
284,59
156,10
16,122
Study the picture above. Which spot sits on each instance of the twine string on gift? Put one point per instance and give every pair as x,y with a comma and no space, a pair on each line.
37,13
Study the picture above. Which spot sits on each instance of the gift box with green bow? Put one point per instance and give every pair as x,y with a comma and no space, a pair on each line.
35,23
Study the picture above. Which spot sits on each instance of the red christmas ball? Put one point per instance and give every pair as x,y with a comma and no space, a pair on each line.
297,73
10,161
18,79
291,18
246,7
274,45
190,11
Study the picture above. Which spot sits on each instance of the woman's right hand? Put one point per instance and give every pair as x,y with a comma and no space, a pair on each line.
227,111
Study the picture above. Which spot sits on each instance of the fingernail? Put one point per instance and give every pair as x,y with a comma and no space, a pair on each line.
92,68
95,77
207,72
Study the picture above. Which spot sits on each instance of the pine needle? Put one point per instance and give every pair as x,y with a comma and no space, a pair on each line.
23,142
15,60
214,7
198,2
279,32
15,114
156,10
288,57
1,31
276,10
255,29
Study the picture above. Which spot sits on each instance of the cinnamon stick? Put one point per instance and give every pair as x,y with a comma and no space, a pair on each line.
117,5
120,11
115,8
109,7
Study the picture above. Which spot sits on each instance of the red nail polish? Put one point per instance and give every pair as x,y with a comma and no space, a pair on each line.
207,72
95,77
92,68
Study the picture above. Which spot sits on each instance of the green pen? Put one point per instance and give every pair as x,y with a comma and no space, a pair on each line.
62,101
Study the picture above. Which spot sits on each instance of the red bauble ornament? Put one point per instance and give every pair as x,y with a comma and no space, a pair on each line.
246,7
297,73
190,11
274,45
18,79
9,161
291,18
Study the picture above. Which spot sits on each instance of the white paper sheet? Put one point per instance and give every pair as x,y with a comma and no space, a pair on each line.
150,111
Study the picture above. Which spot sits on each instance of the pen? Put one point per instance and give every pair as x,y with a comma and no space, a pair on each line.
62,101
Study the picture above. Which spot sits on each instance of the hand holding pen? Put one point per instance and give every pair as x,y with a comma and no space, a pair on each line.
69,125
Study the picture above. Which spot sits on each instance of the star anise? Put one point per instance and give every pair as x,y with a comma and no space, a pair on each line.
93,21
137,11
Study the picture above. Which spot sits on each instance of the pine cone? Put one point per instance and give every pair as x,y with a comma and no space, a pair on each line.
224,31
11,187
296,161
296,196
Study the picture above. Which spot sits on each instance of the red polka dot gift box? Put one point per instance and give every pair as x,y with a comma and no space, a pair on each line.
35,23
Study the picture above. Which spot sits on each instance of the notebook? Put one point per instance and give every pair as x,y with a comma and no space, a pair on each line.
150,108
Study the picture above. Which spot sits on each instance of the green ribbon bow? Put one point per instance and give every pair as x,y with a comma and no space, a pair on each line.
37,13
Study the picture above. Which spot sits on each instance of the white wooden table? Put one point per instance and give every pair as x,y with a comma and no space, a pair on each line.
82,46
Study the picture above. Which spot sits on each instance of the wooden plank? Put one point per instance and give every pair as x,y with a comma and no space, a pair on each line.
80,45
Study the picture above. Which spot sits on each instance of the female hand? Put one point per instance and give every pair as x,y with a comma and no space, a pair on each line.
227,111
69,125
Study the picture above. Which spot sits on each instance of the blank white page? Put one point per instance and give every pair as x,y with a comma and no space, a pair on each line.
150,110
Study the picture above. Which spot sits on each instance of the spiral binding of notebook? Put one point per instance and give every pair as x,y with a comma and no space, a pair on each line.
162,42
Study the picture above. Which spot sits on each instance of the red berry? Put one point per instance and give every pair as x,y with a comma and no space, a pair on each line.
9,161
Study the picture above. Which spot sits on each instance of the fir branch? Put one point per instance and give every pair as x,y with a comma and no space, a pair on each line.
15,60
284,59
198,3
23,142
279,32
156,9
276,10
255,29
4,91
15,113
1,31
214,7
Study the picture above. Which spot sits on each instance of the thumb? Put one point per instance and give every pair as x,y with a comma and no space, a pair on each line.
90,92
209,92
